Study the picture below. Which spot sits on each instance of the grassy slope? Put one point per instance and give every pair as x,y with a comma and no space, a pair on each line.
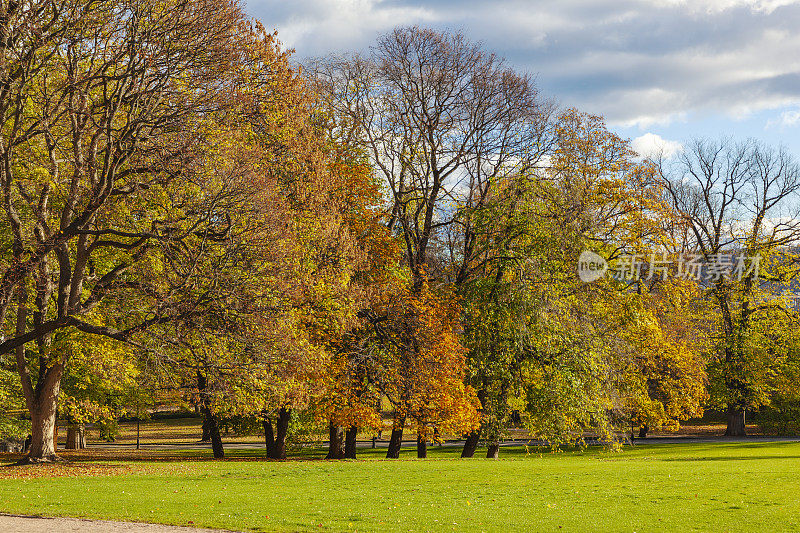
707,487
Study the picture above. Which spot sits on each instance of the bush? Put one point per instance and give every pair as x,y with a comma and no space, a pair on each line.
108,429
781,418
14,428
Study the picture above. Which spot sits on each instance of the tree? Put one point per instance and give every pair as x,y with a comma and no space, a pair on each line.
350,394
421,367
102,172
303,245
538,337
350,391
739,205
440,119
665,333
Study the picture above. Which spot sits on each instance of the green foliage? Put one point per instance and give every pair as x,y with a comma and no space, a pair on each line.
108,429
540,340
101,383
12,405
305,429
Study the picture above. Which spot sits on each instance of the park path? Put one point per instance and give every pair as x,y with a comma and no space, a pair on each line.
31,524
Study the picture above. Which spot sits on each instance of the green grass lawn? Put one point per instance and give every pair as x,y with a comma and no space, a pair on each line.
687,487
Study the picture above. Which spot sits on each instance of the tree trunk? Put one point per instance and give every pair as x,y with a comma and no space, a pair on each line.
76,439
43,444
43,419
471,444
643,431
493,450
736,423
336,445
422,447
209,419
281,429
350,442
206,431
213,431
396,439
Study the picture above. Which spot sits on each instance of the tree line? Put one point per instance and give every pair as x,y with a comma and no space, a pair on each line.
186,211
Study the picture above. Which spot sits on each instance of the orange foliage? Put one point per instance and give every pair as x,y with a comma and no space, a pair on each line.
422,371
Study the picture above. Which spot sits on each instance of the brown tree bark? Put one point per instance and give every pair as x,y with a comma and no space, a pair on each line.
471,444
216,439
206,431
350,442
736,423
281,429
336,442
42,403
210,420
76,438
493,450
422,447
396,440
43,427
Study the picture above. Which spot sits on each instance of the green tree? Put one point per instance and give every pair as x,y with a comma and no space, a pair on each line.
541,341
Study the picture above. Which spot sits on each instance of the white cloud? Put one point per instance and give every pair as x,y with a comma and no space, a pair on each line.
636,62
320,27
651,145
716,6
787,119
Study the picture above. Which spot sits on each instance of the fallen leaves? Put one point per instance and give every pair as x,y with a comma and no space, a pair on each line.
63,470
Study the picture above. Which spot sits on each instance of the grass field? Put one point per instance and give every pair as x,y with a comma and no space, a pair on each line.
687,487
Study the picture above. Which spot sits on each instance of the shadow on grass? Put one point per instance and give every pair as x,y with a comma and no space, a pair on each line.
668,452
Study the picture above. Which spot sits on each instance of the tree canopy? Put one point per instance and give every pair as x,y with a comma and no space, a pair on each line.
393,236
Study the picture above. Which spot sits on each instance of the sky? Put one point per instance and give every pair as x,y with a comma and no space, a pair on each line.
661,72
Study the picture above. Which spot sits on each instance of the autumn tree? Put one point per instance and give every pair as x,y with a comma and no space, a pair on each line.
536,335
663,340
350,394
440,119
350,390
103,175
420,367
305,247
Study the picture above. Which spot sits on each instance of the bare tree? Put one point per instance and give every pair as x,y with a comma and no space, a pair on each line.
441,119
739,199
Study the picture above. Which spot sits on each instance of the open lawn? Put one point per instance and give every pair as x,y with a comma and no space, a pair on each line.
686,487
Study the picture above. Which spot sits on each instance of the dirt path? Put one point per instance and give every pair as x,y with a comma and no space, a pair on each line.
29,524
